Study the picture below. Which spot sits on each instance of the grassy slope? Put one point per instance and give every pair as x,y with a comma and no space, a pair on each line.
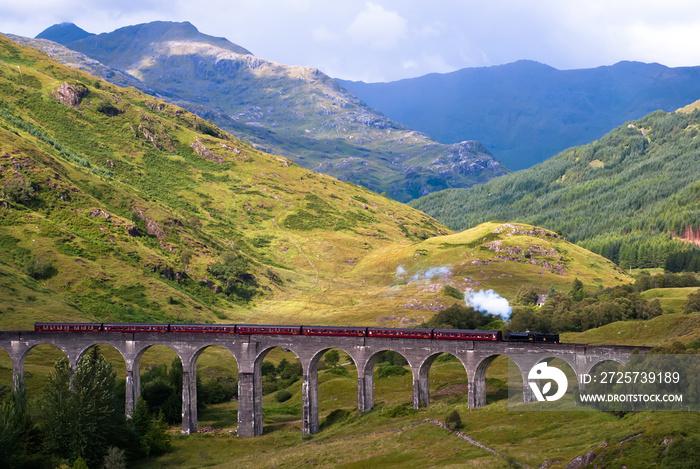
233,199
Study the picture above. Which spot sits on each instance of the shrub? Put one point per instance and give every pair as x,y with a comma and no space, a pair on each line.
399,410
282,395
337,416
39,268
339,370
391,370
682,453
19,191
693,303
453,420
449,290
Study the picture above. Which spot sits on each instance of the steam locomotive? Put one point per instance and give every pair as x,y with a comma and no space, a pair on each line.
338,331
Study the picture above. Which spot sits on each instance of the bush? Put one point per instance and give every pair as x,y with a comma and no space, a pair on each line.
399,410
39,268
682,454
453,420
391,370
339,370
19,191
337,416
282,395
693,303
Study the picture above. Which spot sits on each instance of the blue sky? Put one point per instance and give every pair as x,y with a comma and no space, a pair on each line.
385,40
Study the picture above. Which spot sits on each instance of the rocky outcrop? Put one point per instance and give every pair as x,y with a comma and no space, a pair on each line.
202,151
70,95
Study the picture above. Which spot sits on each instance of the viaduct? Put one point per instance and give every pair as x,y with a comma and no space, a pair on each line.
250,350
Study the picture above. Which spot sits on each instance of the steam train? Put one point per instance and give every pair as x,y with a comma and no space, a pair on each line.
339,331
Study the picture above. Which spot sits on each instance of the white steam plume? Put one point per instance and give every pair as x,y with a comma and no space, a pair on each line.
431,273
488,301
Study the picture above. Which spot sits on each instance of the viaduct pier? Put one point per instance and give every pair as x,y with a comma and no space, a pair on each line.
250,350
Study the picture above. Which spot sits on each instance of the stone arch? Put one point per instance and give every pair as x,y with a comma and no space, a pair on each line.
191,394
82,351
19,360
129,402
477,378
310,404
421,395
572,381
258,384
365,398
134,390
6,362
589,366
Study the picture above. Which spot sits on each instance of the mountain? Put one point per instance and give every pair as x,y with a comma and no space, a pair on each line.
64,32
297,112
526,112
631,196
117,206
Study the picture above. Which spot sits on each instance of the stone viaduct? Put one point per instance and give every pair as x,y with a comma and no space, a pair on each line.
250,350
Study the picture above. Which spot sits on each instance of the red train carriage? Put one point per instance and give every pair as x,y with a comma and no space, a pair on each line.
271,330
334,331
399,333
125,327
461,334
204,328
67,326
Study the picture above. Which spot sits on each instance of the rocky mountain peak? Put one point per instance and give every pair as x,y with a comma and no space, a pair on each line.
64,33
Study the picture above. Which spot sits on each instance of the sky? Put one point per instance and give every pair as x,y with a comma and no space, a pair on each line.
387,40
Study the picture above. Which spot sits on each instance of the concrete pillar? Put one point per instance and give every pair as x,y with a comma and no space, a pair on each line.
17,372
309,389
131,392
257,400
528,395
421,386
189,400
365,389
246,404
476,374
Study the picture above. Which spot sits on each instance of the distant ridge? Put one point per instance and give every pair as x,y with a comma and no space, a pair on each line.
63,33
526,111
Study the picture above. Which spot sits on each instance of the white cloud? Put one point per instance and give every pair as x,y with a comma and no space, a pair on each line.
377,27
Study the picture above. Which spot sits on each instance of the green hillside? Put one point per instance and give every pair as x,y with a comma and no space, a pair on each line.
125,208
298,112
631,196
